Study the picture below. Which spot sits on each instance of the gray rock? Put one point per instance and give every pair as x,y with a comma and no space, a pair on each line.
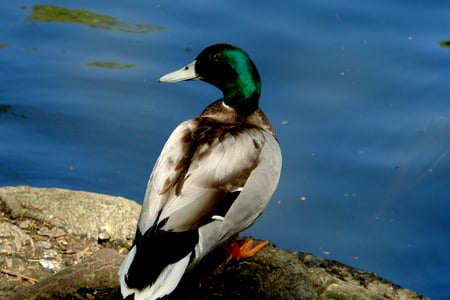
90,215
44,231
12,239
337,291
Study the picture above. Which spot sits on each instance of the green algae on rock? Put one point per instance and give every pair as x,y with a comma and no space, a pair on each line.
4,108
52,13
445,44
110,65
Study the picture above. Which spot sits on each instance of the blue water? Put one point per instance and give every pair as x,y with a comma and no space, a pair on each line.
357,91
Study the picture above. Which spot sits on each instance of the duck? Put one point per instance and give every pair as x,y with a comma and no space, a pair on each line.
214,177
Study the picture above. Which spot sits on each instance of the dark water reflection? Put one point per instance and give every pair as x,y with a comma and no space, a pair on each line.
358,93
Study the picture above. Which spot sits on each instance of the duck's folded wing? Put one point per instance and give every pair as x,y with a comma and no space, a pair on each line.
199,174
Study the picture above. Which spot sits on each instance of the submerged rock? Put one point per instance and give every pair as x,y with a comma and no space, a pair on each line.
53,13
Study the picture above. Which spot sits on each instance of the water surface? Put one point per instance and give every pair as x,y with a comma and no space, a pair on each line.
357,91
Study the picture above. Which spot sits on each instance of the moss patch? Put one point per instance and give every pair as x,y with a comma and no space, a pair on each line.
51,13
110,65
445,44
4,108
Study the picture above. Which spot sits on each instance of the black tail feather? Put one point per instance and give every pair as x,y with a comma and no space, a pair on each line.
154,251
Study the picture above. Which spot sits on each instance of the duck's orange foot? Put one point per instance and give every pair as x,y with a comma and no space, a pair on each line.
243,248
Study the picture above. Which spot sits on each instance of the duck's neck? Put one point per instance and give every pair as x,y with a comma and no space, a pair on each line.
244,91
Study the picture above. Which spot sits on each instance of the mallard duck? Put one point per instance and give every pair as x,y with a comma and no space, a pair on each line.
214,177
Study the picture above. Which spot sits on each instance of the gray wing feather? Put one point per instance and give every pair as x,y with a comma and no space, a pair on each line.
184,188
254,197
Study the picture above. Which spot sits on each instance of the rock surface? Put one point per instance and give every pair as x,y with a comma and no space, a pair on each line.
62,244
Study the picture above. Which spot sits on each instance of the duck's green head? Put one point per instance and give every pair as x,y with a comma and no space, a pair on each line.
228,68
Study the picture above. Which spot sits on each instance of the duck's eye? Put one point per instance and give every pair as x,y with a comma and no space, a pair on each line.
214,58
